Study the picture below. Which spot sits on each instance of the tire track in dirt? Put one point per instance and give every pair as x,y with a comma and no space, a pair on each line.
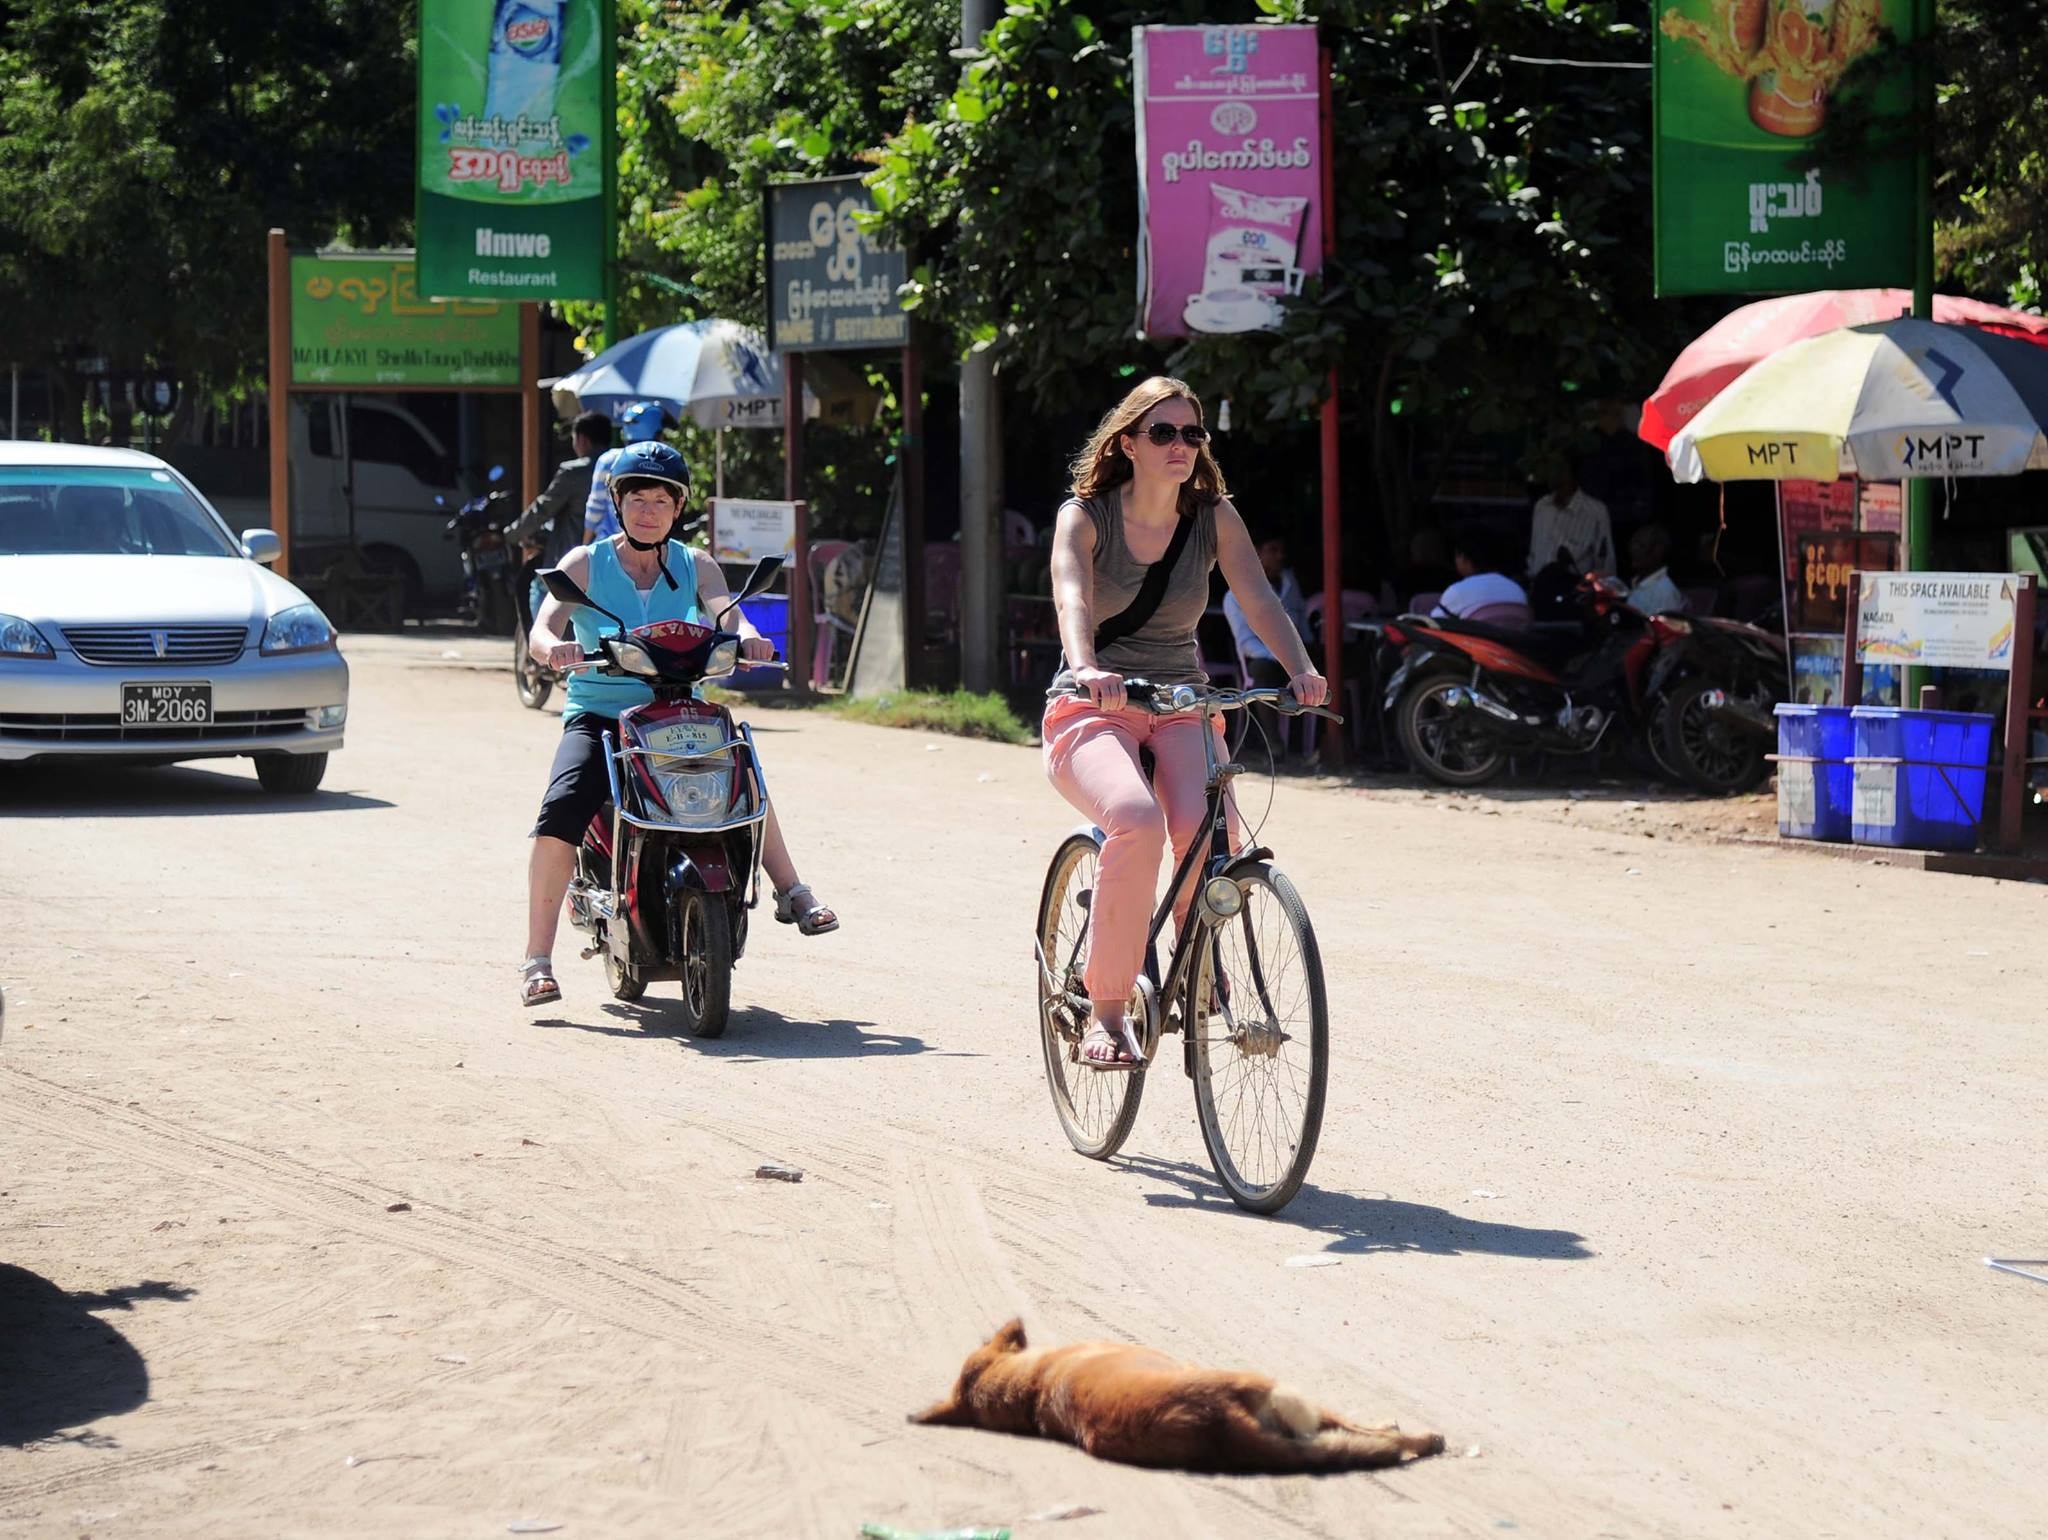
635,1298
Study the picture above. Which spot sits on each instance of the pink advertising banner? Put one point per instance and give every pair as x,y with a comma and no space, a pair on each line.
1230,181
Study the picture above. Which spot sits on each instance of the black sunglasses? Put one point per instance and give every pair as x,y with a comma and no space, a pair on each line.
1164,433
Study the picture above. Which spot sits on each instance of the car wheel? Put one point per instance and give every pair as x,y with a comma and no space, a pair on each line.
291,775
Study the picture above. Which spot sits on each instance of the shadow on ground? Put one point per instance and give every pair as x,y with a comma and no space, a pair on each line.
60,1365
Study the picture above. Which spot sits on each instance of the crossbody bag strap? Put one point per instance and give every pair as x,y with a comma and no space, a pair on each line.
1132,617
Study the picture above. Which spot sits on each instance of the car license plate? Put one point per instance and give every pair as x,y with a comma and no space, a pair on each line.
166,705
686,737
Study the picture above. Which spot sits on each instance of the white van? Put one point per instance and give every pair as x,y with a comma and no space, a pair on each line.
372,452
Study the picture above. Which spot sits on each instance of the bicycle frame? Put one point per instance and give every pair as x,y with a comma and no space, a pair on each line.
1217,858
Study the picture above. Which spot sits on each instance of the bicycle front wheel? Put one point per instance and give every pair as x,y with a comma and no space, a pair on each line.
1261,1033
1096,1107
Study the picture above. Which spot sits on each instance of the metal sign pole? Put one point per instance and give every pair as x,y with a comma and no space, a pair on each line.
280,399
2019,696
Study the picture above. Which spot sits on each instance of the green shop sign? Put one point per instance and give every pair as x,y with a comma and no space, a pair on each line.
1742,89
359,320
515,149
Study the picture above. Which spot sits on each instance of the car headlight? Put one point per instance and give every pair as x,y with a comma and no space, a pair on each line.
723,659
302,628
19,639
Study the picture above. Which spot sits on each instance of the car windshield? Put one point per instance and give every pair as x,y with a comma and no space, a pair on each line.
94,510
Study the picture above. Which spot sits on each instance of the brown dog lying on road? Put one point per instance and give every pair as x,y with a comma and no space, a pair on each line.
1121,1402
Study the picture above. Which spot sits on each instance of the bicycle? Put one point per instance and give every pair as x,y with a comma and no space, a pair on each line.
1246,971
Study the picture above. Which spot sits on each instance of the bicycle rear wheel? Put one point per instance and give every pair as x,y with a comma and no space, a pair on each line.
1096,1107
1261,1037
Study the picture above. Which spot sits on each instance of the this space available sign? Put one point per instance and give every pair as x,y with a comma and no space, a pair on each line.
1937,619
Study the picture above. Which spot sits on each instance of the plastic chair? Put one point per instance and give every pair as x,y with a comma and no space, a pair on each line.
1019,534
1509,616
1700,601
1422,604
824,625
1220,660
1308,724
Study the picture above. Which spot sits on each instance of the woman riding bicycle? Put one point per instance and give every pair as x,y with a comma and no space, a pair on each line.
1145,488
644,576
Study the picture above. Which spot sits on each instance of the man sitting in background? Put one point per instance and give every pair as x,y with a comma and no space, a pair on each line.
1259,662
1649,563
1481,585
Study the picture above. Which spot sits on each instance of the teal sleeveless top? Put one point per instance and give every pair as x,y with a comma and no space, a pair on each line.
611,586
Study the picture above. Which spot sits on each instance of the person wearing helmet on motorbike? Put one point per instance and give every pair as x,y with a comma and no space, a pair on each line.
642,575
640,423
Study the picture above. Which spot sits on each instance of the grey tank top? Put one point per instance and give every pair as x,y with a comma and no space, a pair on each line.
1163,649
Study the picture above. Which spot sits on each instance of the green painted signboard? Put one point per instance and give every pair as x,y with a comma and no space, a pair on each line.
358,319
1742,89
516,147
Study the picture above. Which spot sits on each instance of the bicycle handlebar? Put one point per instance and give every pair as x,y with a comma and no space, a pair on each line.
1173,699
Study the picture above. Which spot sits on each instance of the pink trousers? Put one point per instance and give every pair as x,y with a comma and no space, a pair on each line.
1091,757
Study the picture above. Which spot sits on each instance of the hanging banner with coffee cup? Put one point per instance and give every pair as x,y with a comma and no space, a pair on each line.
1230,220
1742,89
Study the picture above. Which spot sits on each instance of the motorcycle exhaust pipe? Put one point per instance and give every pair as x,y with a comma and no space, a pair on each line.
1464,698
1739,713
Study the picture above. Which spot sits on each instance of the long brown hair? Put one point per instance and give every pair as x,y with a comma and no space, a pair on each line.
1101,466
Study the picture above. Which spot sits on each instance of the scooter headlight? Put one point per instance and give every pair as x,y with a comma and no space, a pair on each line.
724,658
632,657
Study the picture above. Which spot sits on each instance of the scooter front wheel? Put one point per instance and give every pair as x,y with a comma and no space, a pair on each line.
704,931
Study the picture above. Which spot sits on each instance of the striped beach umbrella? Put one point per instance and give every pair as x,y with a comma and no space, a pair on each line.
1888,401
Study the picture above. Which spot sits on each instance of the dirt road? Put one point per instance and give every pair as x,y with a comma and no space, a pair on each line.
1658,1173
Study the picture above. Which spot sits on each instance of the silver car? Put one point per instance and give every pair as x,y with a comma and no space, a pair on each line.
135,626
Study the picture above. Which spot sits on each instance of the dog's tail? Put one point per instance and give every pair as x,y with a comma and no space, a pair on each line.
1291,1434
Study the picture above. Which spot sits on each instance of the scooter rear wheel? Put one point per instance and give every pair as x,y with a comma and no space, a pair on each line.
1426,723
625,983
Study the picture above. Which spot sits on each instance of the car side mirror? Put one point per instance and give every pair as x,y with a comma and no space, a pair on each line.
262,545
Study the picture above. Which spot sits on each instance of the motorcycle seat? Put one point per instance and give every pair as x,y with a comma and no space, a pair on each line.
1545,639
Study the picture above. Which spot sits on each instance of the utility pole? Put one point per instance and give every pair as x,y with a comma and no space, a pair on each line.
981,477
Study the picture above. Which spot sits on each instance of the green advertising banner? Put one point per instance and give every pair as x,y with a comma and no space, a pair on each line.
358,319
1742,88
515,145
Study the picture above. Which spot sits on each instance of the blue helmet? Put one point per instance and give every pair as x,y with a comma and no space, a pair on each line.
650,462
642,422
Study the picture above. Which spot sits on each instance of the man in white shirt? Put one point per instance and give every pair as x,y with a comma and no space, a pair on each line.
1570,518
1481,584
1649,557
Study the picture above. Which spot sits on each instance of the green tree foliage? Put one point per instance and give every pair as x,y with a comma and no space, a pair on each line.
1991,176
1492,214
146,146
716,100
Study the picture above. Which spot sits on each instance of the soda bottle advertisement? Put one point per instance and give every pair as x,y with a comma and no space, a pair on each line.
513,148
1743,89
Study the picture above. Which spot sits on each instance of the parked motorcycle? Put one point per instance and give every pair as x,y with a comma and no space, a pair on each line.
1715,683
668,873
479,527
1466,697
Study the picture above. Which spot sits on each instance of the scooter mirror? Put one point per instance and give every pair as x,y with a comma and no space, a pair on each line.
757,583
564,589
497,473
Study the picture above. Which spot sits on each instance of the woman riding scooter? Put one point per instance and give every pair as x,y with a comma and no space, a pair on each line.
645,576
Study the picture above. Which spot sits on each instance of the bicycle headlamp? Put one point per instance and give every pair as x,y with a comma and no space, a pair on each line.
1222,897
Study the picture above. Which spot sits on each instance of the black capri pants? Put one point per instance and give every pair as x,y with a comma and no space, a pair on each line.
579,784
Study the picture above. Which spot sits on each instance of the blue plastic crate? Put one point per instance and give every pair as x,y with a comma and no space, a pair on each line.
1920,777
770,615
1815,780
